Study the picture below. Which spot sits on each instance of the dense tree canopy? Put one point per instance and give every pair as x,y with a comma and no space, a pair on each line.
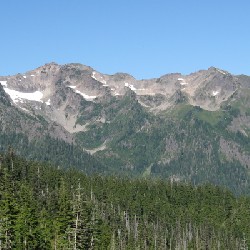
43,207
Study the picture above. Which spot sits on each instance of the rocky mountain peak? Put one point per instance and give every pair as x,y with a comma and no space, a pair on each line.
148,126
59,91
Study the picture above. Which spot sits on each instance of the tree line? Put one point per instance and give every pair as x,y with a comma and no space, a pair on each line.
46,207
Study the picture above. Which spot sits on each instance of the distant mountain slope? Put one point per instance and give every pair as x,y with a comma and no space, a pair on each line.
184,127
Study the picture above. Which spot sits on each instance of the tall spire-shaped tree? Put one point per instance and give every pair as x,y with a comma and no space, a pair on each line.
79,232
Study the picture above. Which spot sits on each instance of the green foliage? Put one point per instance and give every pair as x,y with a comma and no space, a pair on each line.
46,208
181,143
184,145
47,149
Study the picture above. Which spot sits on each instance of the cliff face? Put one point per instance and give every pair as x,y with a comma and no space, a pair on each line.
190,127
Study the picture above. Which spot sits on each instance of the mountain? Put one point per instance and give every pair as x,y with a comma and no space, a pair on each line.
192,128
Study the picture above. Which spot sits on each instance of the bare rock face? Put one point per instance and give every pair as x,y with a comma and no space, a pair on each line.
244,81
17,120
188,126
214,87
232,152
60,93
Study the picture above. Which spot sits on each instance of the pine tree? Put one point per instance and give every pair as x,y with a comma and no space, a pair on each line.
243,245
8,213
79,232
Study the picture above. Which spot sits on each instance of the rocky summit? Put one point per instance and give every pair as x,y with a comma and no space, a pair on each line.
192,128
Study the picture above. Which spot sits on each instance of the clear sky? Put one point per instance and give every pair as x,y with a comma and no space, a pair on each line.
146,38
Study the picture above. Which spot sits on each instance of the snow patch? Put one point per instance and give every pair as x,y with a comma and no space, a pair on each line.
215,93
48,102
32,75
99,80
3,83
93,75
131,86
26,110
24,76
182,81
222,72
87,97
17,96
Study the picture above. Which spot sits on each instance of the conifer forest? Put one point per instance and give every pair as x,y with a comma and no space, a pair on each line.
46,207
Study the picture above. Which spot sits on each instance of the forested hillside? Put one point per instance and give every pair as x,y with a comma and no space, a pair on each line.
54,151
189,128
43,207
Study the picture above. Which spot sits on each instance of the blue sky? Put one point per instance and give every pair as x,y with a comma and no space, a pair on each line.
146,38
